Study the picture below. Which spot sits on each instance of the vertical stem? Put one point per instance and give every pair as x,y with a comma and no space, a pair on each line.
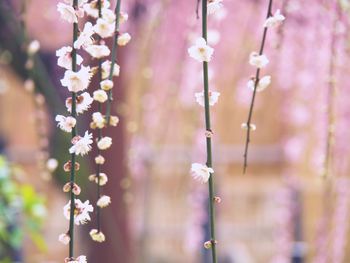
257,75
208,139
114,57
74,132
99,132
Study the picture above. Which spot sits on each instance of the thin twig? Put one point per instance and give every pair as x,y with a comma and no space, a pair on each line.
114,57
208,138
254,92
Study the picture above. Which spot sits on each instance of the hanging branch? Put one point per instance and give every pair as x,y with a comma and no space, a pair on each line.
114,57
259,60
208,138
74,133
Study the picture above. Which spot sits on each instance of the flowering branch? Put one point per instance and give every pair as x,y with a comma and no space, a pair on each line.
74,133
208,138
114,57
259,60
204,173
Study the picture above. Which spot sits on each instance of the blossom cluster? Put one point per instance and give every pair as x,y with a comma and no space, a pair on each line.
77,82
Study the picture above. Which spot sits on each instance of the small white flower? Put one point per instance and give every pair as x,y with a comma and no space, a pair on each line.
213,6
201,51
106,68
109,16
77,81
33,47
257,60
252,126
80,259
100,95
106,84
64,238
98,51
275,20
213,97
83,102
97,236
123,39
104,201
104,143
81,211
98,120
64,59
83,145
66,123
103,178
201,172
91,8
263,83
51,164
67,13
104,28
123,17
85,37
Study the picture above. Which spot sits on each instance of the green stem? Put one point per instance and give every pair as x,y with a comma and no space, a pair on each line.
257,75
99,131
114,57
208,139
74,132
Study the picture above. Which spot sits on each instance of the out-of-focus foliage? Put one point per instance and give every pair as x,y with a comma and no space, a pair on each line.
22,212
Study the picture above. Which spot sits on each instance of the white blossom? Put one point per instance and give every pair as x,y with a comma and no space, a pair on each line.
77,81
106,68
104,28
100,95
123,39
109,16
213,6
97,236
257,60
83,145
263,83
103,201
80,259
201,172
252,126
98,51
64,59
103,178
64,238
104,143
213,97
66,123
123,17
201,51
98,120
81,211
106,84
85,37
67,13
275,20
91,8
83,102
